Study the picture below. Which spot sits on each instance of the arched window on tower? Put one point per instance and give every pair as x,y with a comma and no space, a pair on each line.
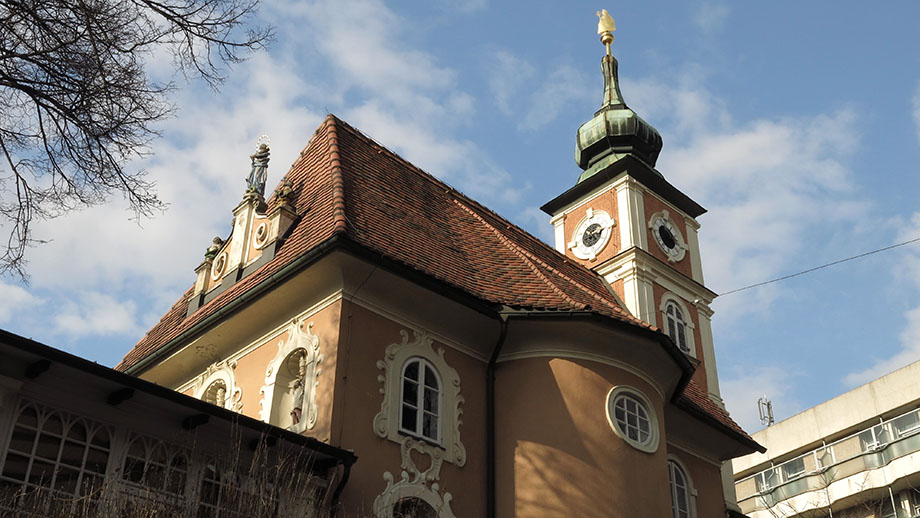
681,491
677,326
420,402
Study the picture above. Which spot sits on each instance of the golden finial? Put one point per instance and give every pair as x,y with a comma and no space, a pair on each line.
605,28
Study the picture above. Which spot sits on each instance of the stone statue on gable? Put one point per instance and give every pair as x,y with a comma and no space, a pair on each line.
255,183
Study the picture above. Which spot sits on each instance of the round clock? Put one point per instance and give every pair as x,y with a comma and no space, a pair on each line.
668,236
591,234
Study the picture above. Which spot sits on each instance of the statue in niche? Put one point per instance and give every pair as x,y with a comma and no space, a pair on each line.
300,392
255,183
220,396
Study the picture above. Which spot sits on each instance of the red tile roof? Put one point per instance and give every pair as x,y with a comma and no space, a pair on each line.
346,184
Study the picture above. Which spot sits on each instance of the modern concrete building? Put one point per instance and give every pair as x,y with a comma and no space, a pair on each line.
857,455
474,370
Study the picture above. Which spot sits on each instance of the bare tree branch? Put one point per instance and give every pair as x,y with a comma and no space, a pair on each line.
76,104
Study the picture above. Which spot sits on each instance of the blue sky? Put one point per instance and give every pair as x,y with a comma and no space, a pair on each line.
796,124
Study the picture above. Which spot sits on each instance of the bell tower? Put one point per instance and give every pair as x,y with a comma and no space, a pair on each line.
625,221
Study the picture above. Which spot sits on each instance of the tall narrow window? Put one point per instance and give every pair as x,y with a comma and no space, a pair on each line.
680,491
421,400
677,327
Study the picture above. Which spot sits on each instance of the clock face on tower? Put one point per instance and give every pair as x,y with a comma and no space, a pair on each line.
668,236
591,234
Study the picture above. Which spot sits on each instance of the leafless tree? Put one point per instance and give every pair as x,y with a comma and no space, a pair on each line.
77,106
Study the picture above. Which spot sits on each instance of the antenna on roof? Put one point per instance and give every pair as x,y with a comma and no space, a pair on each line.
765,407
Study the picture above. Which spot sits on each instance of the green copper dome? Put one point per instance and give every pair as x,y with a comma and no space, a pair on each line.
614,131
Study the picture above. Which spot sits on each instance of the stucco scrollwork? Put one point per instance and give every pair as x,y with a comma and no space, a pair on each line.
289,394
414,483
386,422
217,385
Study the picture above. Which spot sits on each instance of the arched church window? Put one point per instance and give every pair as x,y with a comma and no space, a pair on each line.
677,327
413,508
421,400
681,491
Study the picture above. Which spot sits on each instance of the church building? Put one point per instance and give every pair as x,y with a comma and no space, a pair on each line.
471,369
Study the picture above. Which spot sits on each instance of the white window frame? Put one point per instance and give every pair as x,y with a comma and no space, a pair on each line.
424,366
387,422
689,327
688,480
650,445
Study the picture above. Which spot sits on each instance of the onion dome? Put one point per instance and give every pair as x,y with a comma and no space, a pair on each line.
615,130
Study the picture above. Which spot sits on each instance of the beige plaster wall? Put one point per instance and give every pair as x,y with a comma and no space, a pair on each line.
364,338
556,452
707,481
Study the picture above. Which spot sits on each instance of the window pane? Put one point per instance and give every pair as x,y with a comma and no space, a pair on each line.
41,473
72,454
431,400
681,339
410,392
66,480
430,426
412,370
15,466
48,446
906,424
409,418
23,440
430,379
101,438
96,460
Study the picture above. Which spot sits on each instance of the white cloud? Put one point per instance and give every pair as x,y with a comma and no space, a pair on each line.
563,86
909,338
95,313
744,386
14,301
774,180
507,73
710,16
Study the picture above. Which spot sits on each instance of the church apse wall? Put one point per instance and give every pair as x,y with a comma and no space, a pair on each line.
557,453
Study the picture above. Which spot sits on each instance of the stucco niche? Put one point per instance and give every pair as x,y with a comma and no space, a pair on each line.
386,422
220,375
293,371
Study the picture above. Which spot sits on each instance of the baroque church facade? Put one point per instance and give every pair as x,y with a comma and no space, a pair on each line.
471,369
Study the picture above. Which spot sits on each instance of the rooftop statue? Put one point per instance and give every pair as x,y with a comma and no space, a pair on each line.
259,173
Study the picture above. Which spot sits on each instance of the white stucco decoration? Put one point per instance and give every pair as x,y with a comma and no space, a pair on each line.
221,372
261,235
300,338
666,232
414,483
217,267
386,422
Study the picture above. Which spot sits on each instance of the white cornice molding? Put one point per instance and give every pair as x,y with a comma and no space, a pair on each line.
664,274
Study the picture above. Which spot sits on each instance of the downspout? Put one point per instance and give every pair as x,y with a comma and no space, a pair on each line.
341,486
491,509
